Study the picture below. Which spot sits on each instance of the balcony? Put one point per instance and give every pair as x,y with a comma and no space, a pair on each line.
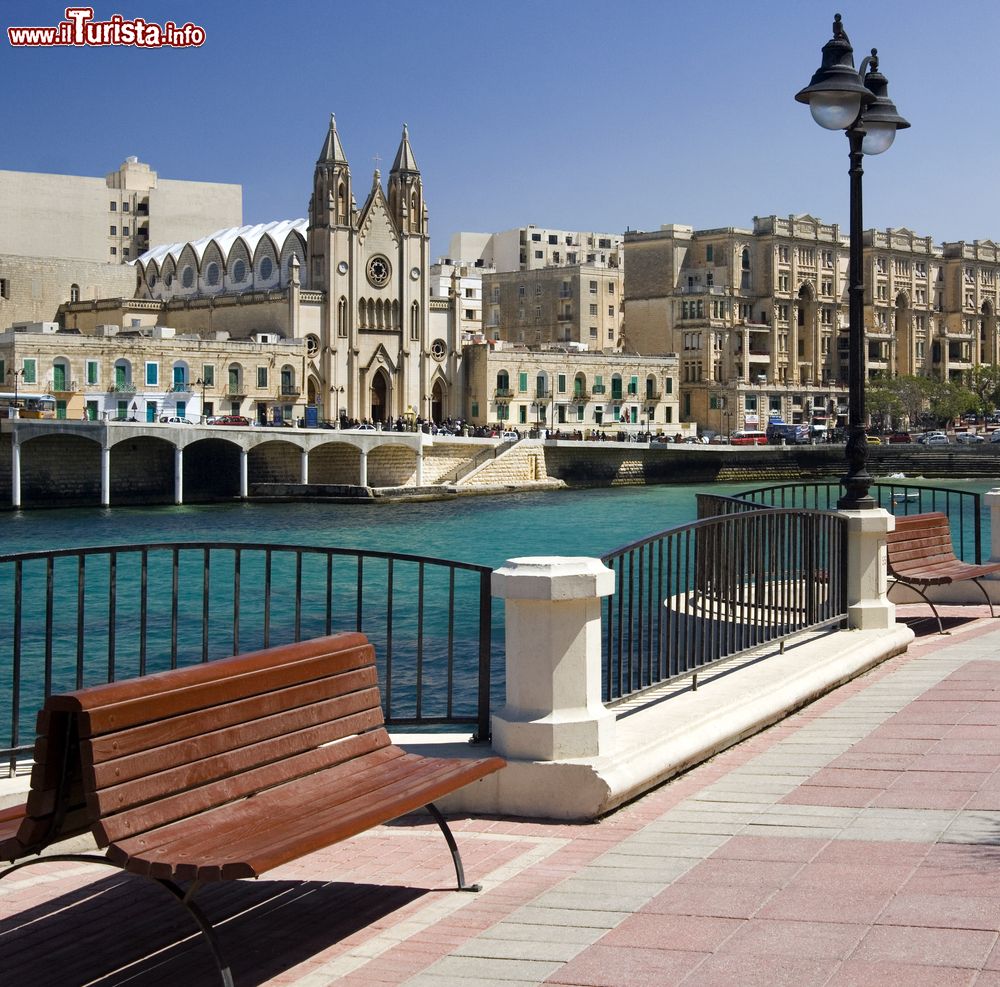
289,391
581,394
503,392
236,390
123,387
599,389
179,387
654,394
62,386
543,392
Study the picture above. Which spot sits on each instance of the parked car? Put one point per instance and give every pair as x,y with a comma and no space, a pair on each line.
922,439
995,436
900,437
748,437
969,438
509,436
937,439
232,420
873,440
362,428
175,420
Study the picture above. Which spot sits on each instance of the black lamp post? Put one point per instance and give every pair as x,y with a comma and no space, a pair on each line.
17,375
202,383
856,101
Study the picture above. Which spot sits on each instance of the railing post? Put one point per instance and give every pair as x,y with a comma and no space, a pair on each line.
553,654
868,607
992,498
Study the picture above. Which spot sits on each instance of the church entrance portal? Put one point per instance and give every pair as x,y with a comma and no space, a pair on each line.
380,397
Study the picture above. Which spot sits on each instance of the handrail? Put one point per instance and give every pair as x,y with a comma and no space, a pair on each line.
963,507
75,617
692,596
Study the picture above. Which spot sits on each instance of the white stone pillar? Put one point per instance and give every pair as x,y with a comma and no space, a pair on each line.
244,472
363,468
992,498
15,472
304,467
178,475
868,607
553,629
105,476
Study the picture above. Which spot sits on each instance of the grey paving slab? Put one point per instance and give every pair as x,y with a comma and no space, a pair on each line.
499,971
521,932
791,832
580,918
538,950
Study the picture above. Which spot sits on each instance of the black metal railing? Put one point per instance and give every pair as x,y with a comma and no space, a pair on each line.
963,507
79,617
700,593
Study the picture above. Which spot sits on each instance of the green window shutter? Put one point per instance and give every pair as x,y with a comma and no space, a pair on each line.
522,381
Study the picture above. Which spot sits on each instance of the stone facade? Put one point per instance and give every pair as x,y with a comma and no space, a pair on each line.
111,219
520,387
33,288
581,304
145,373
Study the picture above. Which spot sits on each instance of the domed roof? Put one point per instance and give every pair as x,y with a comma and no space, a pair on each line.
278,231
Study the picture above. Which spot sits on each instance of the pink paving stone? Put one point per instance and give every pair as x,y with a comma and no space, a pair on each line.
943,911
972,731
833,905
626,966
853,777
812,940
921,798
967,781
928,947
957,745
858,973
873,876
693,933
869,851
993,961
987,800
788,848
746,873
717,900
760,971
842,797
988,978
914,731
938,761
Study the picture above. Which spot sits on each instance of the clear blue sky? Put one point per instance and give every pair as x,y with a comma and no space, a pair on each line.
573,115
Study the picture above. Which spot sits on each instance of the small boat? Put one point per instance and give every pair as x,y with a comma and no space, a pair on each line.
904,496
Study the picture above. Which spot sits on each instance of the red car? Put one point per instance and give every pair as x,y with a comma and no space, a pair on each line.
232,420
900,437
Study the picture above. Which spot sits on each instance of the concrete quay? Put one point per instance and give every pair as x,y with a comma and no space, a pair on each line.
856,842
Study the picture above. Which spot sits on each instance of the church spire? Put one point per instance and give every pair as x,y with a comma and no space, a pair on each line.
333,152
404,156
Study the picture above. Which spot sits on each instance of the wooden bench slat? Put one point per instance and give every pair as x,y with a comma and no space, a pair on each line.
326,809
337,715
240,761
109,711
170,808
183,726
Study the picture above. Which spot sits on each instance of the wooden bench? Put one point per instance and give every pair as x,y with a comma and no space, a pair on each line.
921,555
226,770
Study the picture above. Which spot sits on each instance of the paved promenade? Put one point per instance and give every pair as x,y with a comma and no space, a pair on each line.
855,843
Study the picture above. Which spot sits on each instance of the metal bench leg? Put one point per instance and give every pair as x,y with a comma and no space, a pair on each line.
184,898
982,589
917,589
196,913
453,846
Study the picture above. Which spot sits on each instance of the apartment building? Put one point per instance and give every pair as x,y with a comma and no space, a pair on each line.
144,373
579,304
569,388
759,317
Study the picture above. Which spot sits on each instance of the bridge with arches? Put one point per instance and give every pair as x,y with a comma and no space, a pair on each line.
177,463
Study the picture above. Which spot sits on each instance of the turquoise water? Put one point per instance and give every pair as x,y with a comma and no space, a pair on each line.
481,530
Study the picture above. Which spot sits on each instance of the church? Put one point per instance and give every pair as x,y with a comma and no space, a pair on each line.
350,283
